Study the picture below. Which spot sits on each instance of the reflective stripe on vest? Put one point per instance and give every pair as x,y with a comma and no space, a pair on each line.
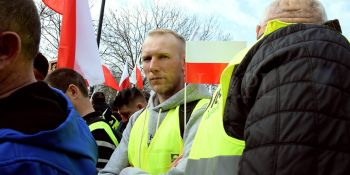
107,128
165,146
114,123
213,151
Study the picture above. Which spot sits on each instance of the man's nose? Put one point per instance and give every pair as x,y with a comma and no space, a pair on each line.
154,65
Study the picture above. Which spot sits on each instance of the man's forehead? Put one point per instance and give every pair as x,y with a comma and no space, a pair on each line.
160,38
159,43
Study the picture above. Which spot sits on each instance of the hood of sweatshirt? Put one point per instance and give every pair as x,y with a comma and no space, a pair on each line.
193,92
158,112
70,147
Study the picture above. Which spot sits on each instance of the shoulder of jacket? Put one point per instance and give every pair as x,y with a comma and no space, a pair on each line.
136,115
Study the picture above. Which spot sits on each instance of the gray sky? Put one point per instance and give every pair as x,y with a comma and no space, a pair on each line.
237,17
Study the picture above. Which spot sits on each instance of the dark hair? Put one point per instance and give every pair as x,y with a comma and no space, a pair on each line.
41,64
21,16
62,78
98,97
127,96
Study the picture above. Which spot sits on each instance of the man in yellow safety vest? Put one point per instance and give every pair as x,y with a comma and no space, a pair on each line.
158,134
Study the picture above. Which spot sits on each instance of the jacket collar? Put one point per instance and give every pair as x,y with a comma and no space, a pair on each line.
274,25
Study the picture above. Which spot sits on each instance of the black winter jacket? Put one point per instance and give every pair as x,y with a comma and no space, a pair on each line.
291,94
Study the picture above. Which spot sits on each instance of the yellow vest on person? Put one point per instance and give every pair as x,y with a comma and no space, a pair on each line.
164,148
213,151
114,123
103,125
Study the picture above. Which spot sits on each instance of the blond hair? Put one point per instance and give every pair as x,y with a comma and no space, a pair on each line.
180,38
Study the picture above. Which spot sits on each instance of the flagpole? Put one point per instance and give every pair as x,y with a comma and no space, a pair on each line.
99,30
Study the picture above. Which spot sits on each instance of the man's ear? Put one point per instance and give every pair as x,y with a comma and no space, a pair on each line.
140,106
73,91
257,30
10,47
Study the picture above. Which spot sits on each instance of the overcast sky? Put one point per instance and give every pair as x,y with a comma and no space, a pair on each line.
238,17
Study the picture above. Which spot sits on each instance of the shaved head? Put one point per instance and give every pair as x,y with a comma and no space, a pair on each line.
294,11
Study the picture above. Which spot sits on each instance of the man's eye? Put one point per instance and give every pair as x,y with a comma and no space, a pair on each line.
145,59
163,56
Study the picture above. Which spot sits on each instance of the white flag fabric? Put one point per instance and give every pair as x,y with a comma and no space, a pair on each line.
124,79
78,47
205,60
133,76
87,58
136,77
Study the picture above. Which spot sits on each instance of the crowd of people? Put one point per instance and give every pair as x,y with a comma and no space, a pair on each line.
282,106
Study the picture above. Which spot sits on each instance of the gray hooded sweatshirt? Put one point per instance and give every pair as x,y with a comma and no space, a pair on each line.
119,164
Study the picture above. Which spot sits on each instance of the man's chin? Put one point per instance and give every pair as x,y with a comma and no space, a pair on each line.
159,89
156,88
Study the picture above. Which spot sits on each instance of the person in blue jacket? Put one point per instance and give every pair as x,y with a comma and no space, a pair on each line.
40,132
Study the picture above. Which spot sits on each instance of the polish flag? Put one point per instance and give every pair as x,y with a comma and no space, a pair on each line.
124,79
78,48
136,77
109,79
55,5
205,60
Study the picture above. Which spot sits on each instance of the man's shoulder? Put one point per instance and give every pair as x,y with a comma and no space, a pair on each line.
289,40
136,115
37,102
93,117
298,33
35,159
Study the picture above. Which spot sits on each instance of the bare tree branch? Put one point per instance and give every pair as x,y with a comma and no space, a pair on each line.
124,31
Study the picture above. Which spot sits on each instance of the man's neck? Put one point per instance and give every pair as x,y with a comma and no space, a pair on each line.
85,107
10,84
165,96
162,98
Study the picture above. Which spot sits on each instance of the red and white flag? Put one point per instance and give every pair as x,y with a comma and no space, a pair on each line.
55,5
78,48
124,79
136,77
109,79
205,60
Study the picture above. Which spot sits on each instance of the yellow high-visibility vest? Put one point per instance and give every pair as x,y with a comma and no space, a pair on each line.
213,151
165,146
103,125
114,123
